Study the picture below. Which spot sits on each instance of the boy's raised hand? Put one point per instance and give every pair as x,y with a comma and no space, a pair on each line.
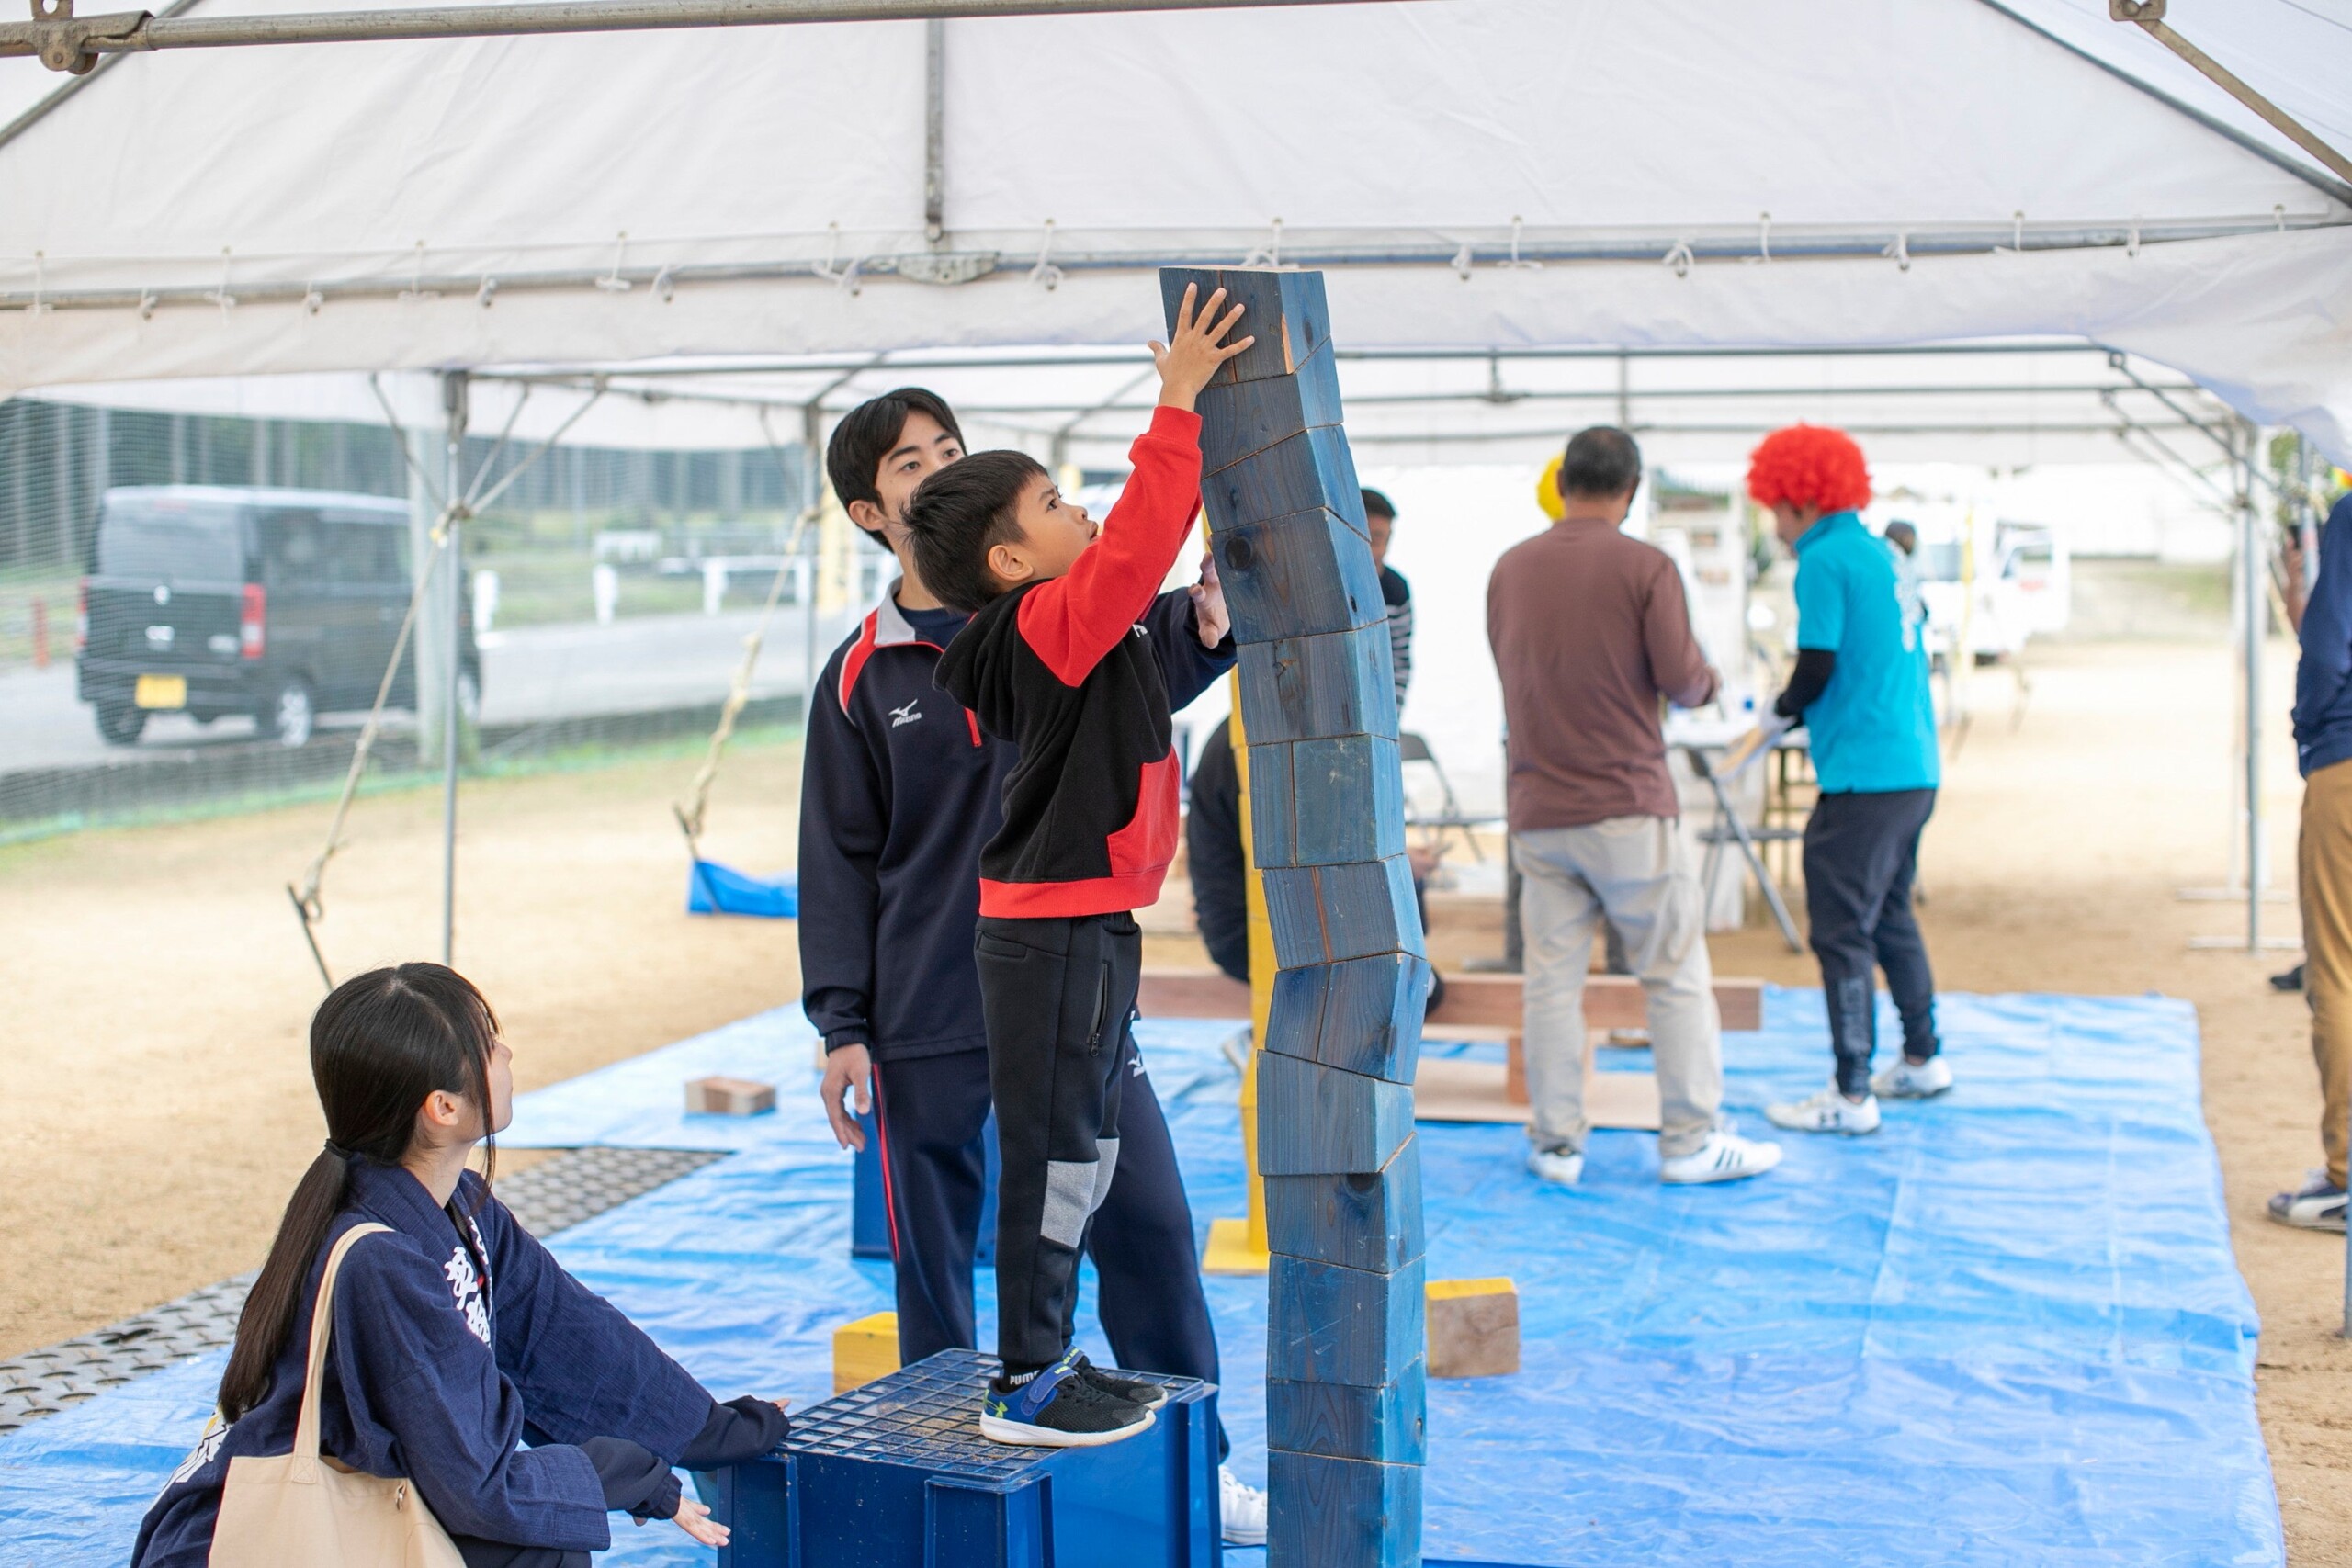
1208,604
1194,349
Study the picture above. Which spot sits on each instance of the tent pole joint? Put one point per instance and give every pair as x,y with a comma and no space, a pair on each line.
69,43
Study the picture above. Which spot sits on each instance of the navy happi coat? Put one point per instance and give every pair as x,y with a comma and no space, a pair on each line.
457,1340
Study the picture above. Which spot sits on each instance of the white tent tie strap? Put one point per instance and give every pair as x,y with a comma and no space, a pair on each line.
309,901
1764,236
1045,274
1679,258
1270,255
833,272
1516,263
1899,252
613,282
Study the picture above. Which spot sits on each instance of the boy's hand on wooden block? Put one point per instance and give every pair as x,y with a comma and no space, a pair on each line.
1472,1328
729,1097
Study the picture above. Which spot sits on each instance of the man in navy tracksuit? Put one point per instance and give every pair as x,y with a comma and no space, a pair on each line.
900,790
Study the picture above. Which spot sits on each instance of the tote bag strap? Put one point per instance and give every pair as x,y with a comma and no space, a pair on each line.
306,1425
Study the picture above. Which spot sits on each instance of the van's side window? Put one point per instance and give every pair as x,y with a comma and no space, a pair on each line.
365,554
294,549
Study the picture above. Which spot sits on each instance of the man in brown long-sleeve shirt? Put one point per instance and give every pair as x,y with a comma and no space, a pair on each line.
1591,635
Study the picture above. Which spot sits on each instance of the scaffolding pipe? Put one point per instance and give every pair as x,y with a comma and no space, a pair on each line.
2256,609
65,42
453,402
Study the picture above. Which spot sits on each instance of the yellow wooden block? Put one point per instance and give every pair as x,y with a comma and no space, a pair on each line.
1472,1327
1229,1250
864,1350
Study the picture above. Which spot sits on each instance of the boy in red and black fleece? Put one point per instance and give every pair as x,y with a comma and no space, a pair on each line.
1056,660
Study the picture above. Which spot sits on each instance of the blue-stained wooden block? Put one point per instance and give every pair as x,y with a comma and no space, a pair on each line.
1313,1119
1273,817
1326,802
1341,1420
1242,418
1326,913
1342,1512
1325,1324
1284,311
1362,1016
1368,1222
1297,575
1297,475
1312,688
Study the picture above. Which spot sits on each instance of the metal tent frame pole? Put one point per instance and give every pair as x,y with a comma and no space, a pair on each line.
2257,616
454,399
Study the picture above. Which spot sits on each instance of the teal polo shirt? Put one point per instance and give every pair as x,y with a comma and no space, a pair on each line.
1874,727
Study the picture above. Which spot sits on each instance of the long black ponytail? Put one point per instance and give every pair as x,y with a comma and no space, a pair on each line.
379,1045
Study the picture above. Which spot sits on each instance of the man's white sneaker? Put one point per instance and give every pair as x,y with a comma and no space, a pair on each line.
2317,1206
1724,1156
1910,1080
1242,1507
1828,1112
1561,1168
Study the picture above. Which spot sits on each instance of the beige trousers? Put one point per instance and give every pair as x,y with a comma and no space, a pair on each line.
2323,867
1632,871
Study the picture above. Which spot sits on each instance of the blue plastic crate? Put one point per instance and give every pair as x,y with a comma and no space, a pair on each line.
895,1474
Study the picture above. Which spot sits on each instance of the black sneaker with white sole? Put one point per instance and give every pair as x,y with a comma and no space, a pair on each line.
1058,1408
1135,1391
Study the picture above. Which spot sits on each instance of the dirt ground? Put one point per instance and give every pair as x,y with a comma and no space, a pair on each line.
156,991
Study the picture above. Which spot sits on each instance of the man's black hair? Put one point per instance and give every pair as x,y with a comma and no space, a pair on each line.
961,512
869,433
1377,504
1600,462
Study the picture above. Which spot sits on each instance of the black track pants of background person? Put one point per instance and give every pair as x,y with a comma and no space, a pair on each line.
1861,854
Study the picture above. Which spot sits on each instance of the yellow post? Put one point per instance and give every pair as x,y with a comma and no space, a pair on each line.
1238,1247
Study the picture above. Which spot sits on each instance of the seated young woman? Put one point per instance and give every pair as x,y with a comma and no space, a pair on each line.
456,1339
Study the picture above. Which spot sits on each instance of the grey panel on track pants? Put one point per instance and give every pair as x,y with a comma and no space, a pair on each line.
1632,871
1055,994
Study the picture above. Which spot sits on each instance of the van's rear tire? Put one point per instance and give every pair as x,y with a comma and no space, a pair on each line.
291,717
120,724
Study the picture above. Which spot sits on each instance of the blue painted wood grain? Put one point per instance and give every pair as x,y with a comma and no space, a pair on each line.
1286,311
1326,802
1313,1119
1304,573
1340,1420
1310,688
1363,1016
1308,471
1370,1220
1325,1324
1347,1514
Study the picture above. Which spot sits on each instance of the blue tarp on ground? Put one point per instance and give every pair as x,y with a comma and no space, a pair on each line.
2008,1329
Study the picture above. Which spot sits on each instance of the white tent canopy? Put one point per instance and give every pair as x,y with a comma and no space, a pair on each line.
1940,171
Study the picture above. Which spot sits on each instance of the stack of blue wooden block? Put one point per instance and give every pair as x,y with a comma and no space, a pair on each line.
1344,1365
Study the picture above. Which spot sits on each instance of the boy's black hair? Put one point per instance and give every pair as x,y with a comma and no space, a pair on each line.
958,514
1600,462
869,433
1373,501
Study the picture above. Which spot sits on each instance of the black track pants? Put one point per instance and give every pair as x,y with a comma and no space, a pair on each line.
1862,853
1055,994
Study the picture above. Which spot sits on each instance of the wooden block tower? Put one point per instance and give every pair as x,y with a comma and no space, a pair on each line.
1344,1362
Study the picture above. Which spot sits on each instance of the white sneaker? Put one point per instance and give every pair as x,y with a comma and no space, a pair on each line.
1724,1156
1242,1507
1828,1112
1906,1081
1561,1168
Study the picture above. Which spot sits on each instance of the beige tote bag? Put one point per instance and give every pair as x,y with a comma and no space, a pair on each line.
302,1509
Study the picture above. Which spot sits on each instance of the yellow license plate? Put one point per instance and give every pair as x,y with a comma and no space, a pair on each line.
161,692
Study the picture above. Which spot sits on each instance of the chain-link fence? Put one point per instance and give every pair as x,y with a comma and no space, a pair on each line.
607,592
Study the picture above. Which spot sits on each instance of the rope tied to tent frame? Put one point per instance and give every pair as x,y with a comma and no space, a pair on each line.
309,898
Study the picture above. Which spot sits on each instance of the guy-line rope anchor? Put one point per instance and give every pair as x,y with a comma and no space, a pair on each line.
64,42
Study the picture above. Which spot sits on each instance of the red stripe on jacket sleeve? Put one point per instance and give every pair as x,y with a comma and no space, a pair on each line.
1071,622
854,664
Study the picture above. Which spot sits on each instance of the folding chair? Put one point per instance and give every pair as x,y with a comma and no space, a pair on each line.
1411,749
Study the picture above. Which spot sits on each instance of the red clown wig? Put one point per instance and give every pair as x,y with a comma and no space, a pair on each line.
1809,465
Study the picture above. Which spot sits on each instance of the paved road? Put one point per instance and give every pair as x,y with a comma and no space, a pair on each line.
534,672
